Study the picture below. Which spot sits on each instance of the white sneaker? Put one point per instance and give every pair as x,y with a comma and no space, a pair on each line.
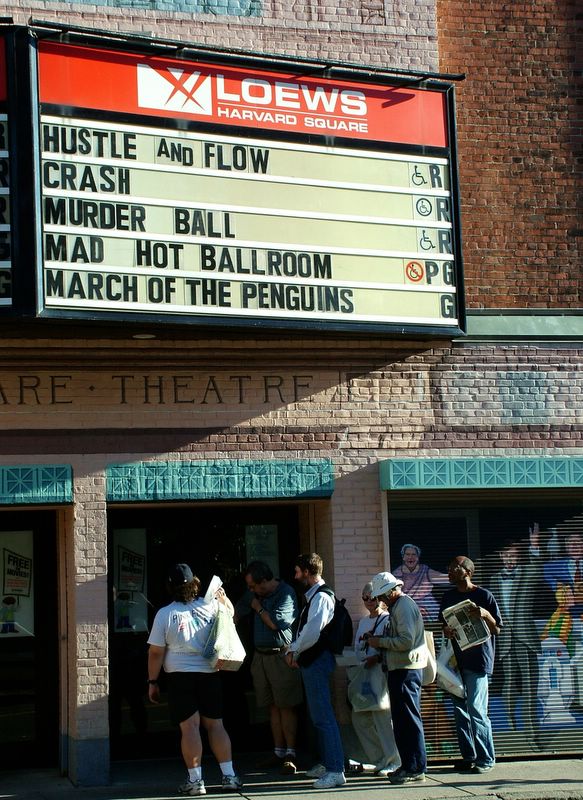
330,780
192,788
316,771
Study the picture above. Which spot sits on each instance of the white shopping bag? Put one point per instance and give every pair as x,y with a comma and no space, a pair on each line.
224,649
448,676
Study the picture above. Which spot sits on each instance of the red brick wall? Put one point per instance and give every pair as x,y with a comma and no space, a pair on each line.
520,128
401,35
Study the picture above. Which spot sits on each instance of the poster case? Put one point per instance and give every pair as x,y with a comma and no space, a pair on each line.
17,594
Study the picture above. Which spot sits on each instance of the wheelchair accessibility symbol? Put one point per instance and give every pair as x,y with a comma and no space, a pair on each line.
417,178
425,242
414,271
424,207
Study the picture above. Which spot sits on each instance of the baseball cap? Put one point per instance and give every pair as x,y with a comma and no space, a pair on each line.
179,574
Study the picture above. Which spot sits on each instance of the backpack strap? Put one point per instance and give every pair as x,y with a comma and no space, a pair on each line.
309,655
306,609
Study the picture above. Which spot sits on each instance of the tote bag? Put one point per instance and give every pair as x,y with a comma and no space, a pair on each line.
224,648
448,675
367,690
430,671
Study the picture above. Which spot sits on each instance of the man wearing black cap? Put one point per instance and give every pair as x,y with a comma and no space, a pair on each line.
179,634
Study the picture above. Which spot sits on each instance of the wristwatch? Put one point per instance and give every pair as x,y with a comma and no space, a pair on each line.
152,682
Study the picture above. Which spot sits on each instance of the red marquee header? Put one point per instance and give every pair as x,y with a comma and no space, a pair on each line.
85,77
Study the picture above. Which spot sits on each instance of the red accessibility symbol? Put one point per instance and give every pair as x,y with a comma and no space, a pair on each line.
414,271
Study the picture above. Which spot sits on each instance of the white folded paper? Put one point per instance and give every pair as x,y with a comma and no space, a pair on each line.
214,585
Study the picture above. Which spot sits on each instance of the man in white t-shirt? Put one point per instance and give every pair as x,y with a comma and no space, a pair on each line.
179,634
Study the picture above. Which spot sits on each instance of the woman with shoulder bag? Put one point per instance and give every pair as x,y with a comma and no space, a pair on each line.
374,728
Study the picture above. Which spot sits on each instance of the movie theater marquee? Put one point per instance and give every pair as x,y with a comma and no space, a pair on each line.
183,190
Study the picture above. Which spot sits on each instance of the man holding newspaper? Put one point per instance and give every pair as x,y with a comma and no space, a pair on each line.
470,617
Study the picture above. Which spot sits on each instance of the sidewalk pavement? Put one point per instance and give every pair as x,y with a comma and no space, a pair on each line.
537,779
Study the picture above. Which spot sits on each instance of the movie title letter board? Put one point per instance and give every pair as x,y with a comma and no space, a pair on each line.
179,217
5,238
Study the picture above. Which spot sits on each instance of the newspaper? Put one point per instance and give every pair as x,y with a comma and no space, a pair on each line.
214,585
469,630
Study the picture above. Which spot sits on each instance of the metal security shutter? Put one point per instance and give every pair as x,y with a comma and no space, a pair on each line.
536,691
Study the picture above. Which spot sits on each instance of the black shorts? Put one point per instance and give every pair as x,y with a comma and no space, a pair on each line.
189,692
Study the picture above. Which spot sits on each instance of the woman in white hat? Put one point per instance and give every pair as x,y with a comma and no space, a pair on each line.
374,728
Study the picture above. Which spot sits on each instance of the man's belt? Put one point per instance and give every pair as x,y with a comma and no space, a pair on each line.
269,651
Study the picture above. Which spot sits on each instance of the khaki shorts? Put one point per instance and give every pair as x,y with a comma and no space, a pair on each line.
275,683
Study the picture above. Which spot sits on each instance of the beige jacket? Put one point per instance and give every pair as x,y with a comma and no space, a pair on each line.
403,642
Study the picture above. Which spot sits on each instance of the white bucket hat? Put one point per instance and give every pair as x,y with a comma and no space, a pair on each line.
383,583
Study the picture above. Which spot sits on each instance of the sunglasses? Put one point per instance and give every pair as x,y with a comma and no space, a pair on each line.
368,599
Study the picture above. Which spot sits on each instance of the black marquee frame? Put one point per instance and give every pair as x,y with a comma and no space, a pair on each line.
24,110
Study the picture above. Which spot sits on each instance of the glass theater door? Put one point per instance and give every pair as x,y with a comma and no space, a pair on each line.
29,688
217,540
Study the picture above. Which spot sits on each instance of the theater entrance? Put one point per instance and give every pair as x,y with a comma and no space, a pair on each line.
214,540
29,682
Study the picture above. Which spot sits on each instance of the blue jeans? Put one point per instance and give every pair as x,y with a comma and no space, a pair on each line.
405,694
316,680
474,729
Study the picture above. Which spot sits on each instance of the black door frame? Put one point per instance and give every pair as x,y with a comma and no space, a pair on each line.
38,656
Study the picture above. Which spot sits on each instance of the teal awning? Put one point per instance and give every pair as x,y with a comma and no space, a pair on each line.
221,479
481,473
35,484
